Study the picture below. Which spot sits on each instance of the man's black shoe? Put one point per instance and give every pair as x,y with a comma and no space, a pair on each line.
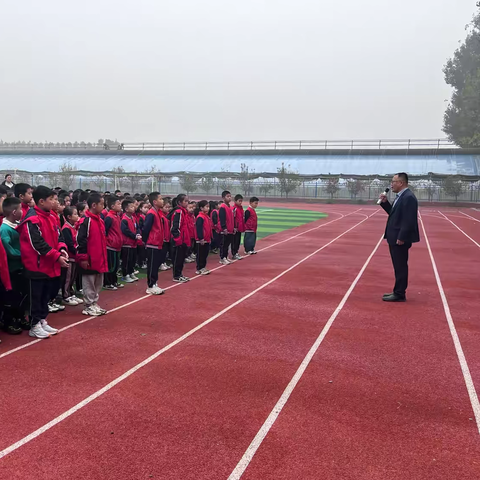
394,298
388,294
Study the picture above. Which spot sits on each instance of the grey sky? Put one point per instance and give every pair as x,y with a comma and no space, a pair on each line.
175,70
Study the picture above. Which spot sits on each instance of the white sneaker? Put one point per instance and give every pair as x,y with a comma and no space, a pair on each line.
70,301
99,309
184,279
198,272
47,328
154,290
189,260
52,308
78,300
136,272
38,332
229,261
134,278
204,271
61,308
254,252
91,311
237,256
128,279
224,261
163,267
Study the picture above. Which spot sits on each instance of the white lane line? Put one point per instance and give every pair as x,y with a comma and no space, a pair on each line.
460,230
272,417
469,216
150,359
80,322
456,340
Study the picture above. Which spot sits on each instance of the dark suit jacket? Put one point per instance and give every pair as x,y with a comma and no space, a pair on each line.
402,223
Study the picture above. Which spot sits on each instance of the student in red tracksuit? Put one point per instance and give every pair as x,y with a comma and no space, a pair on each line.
24,192
92,254
5,283
203,236
239,224
114,242
164,213
153,237
213,214
227,227
55,304
69,233
180,236
142,210
251,223
130,236
44,254
191,230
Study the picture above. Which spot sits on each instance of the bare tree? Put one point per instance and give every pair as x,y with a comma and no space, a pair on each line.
454,187
67,174
288,179
246,179
207,184
333,186
265,188
355,186
189,183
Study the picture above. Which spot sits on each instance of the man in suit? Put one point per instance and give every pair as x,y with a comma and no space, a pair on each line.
400,233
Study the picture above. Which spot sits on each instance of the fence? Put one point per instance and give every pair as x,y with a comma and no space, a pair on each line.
275,145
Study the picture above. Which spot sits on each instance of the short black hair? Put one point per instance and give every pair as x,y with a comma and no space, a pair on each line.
225,193
61,200
403,177
10,205
254,199
153,196
3,191
238,197
80,207
87,190
107,193
111,201
68,212
126,203
126,194
202,203
21,189
42,193
93,198
8,175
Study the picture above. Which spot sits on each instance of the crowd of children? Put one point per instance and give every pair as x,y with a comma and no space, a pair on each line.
60,248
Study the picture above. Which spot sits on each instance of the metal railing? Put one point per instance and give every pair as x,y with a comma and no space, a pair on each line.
274,145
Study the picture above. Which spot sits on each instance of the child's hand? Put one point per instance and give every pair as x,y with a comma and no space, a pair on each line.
83,264
63,261
139,237
201,242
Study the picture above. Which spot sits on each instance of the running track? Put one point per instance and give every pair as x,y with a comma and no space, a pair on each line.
386,392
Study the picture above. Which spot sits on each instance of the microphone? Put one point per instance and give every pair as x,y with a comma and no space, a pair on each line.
379,201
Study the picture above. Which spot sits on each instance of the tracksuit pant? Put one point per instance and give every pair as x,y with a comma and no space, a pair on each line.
202,255
249,241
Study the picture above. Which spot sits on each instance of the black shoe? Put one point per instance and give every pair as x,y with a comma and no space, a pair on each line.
394,298
388,294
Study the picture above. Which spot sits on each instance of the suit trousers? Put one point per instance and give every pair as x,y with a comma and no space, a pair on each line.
399,254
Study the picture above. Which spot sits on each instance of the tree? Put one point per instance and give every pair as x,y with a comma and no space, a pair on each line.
333,186
188,183
207,184
134,182
462,72
246,179
98,181
265,188
225,184
355,187
67,174
288,179
453,187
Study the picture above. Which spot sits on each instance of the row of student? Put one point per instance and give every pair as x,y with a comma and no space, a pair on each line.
43,255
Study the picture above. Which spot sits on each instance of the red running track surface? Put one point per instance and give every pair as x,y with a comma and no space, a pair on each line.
397,406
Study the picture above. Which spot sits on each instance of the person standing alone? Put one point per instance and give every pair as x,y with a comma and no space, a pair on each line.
401,232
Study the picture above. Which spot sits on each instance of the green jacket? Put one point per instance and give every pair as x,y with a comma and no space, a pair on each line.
11,243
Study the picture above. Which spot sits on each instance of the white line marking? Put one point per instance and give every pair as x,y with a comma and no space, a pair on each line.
460,230
80,322
456,341
267,425
469,216
150,359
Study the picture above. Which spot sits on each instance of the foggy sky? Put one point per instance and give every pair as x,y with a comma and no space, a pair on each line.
182,70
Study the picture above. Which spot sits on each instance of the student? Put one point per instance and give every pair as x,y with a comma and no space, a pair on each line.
154,237
180,236
203,236
130,236
15,300
8,183
3,196
114,242
142,210
226,223
167,235
191,230
239,226
24,192
44,254
69,233
251,223
81,209
92,254
213,214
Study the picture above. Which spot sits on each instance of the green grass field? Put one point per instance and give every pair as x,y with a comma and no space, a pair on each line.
274,220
